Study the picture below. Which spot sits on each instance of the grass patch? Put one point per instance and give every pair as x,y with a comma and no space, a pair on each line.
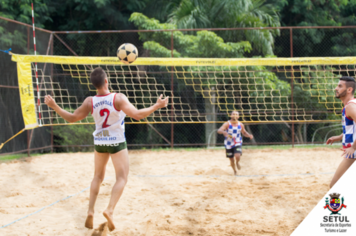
285,147
277,147
17,156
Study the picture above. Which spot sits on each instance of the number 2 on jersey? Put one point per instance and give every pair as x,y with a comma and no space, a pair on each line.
102,111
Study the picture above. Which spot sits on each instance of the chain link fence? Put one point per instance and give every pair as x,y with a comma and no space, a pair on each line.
291,42
19,38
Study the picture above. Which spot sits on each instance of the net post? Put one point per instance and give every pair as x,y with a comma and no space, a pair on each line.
34,48
28,143
172,87
28,52
51,53
51,139
28,40
292,81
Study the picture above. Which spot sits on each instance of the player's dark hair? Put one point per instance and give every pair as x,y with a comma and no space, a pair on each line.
97,77
350,82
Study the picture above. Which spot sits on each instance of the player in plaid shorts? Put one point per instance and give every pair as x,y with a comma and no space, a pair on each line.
233,131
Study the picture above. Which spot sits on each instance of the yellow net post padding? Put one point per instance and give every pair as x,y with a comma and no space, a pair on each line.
26,90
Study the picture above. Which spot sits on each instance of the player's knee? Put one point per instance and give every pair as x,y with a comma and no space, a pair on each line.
99,177
122,178
237,156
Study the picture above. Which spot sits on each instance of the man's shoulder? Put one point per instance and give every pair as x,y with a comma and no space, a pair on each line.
351,105
88,99
120,97
351,102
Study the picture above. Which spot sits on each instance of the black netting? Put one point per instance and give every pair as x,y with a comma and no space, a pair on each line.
19,39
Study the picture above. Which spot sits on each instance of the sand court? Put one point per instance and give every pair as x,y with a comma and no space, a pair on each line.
180,192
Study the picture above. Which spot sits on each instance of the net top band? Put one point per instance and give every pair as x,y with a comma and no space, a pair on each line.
188,61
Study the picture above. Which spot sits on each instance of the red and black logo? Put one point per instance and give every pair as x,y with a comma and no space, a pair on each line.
335,204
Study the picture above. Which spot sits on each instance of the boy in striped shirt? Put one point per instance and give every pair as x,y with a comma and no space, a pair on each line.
233,131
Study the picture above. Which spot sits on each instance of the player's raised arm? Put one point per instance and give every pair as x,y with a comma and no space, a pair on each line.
245,133
122,103
79,114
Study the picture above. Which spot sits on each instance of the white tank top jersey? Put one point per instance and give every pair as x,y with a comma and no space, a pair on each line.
109,122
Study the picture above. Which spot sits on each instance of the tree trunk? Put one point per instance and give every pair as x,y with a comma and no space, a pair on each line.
210,110
296,138
305,133
248,129
299,133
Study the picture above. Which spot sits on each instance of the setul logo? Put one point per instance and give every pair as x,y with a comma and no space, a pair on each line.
335,205
335,222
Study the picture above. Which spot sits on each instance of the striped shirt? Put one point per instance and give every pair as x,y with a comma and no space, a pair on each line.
348,129
236,138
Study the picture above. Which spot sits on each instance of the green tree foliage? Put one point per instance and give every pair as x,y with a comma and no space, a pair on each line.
204,44
231,14
21,11
93,15
321,42
68,15
317,12
12,35
74,15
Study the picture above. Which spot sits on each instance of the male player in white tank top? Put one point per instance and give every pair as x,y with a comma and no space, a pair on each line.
232,131
109,111
345,92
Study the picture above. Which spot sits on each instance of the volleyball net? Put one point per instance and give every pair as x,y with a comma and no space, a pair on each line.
201,90
259,89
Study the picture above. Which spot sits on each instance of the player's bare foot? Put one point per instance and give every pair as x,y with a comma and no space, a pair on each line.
89,221
109,217
238,166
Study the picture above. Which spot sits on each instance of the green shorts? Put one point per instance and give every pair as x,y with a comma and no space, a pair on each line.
110,148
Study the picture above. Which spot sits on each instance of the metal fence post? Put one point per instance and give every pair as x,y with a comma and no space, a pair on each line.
28,52
28,143
52,140
172,87
28,40
291,82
